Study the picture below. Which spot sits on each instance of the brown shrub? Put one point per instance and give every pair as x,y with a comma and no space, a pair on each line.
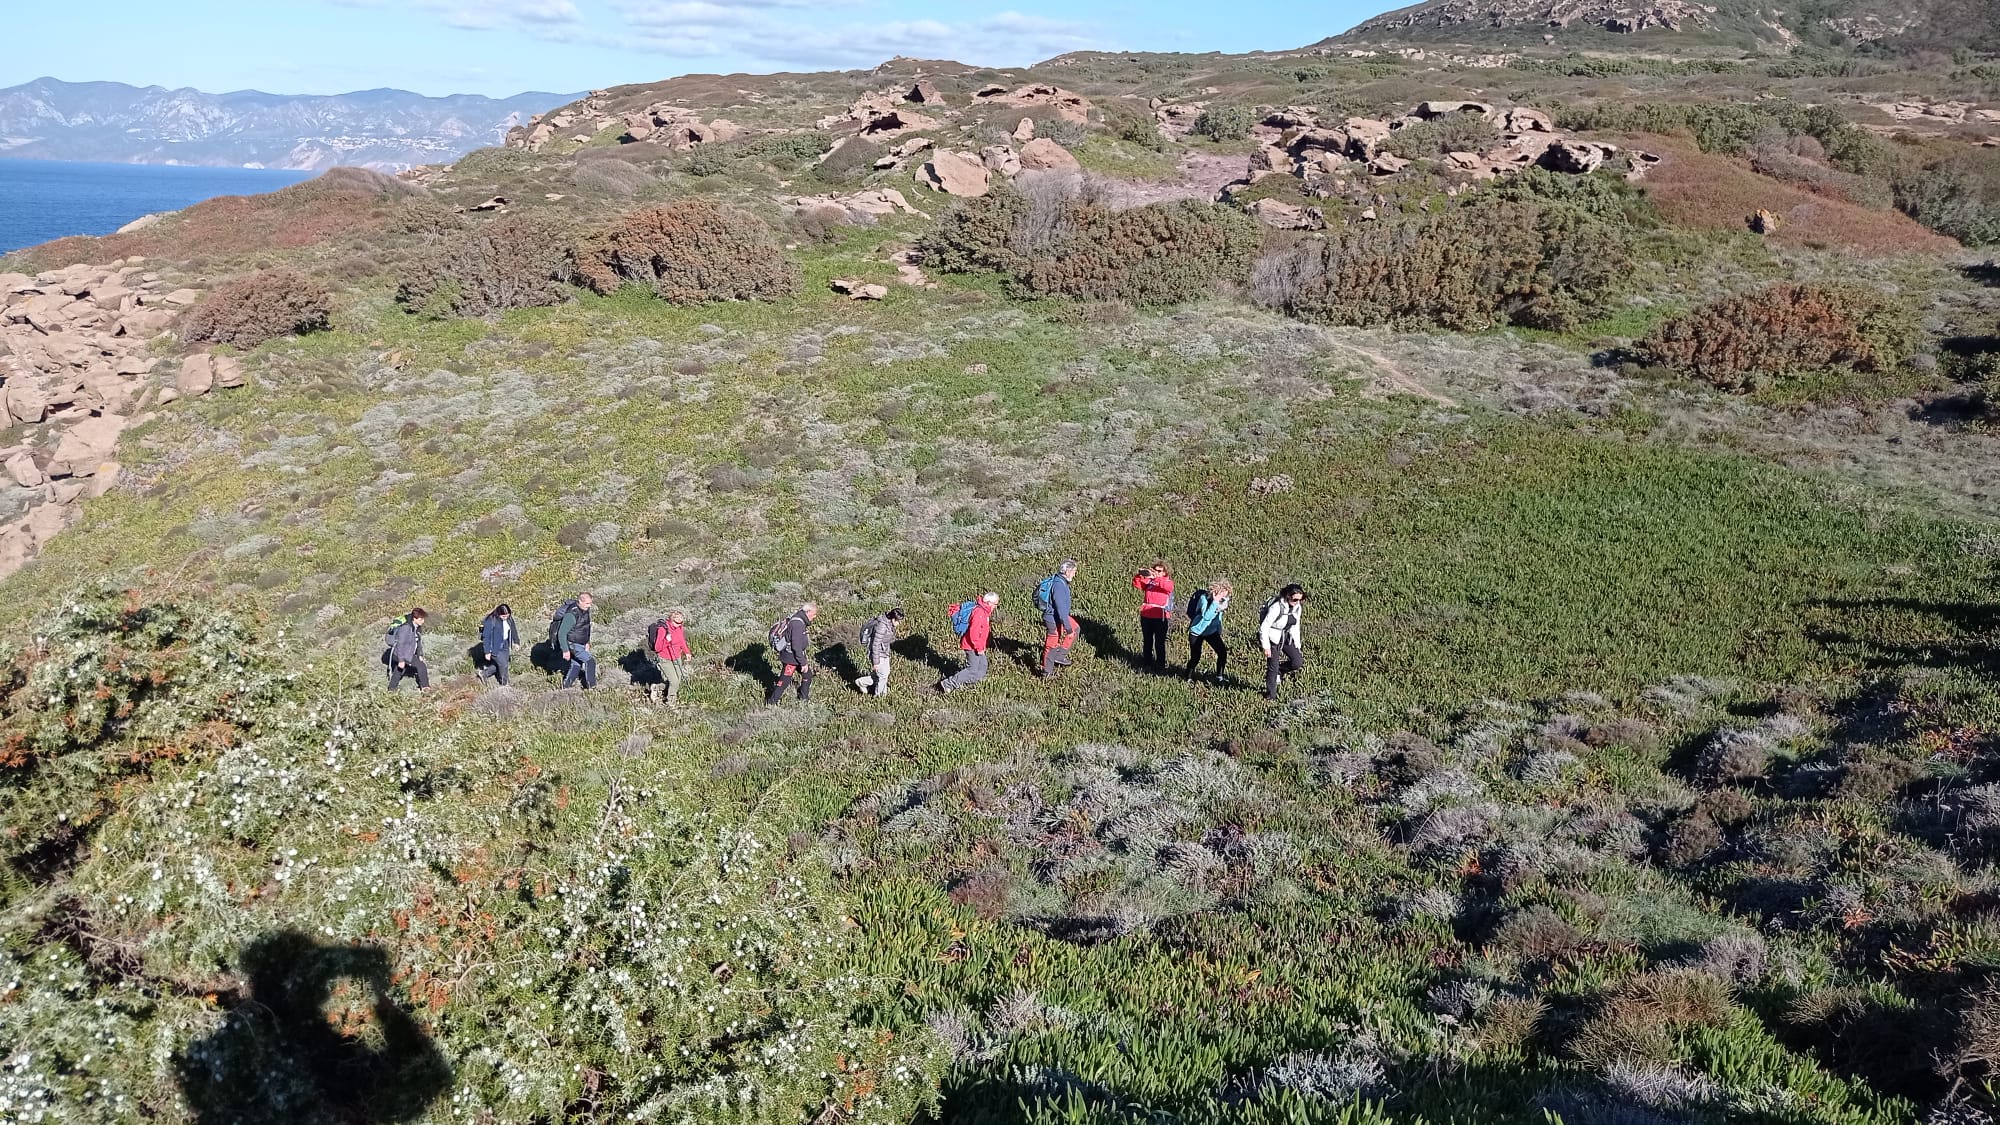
1635,1021
1702,191
249,310
1537,933
689,251
1509,1022
1979,1034
1783,329
512,262
1691,838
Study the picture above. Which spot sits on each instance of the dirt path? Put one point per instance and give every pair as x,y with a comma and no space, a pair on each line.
1389,377
1202,176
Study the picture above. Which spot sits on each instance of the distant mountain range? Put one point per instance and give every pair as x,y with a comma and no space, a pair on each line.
387,130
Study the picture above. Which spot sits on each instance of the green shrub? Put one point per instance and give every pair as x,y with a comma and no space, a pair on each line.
786,150
1783,329
689,251
1132,127
1454,132
1469,267
1052,237
249,310
1225,122
1950,199
512,262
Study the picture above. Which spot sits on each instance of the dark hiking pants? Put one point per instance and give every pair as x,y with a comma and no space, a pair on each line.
1195,642
582,667
415,670
1285,659
805,678
1153,641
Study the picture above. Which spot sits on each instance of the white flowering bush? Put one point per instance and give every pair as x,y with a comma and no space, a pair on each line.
327,905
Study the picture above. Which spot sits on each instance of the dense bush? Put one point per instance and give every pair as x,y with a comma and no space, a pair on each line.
249,310
786,150
1053,236
1469,267
1225,122
1950,199
1732,128
1783,329
512,262
1801,159
689,251
1454,132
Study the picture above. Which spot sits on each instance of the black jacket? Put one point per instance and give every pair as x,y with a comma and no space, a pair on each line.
796,637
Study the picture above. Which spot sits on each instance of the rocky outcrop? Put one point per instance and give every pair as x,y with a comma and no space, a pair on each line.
1067,105
76,370
1612,15
1311,149
955,173
1044,155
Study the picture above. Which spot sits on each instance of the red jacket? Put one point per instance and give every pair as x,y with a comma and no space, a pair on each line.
979,631
1159,594
675,645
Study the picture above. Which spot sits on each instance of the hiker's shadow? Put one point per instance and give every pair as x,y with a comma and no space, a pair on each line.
642,671
754,661
837,659
1018,651
317,1029
1890,633
547,658
1103,641
917,647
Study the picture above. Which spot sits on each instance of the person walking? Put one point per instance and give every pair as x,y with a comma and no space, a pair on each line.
1052,597
406,651
498,639
876,637
1204,610
668,647
978,633
574,632
1279,635
792,640
1156,609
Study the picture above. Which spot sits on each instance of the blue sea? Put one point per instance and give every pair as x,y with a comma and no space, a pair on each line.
44,199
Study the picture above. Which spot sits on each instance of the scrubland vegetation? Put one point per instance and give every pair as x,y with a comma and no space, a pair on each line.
1643,769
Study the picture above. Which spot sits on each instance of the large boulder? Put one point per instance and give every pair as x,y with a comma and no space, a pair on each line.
197,375
1068,105
26,401
228,372
955,173
22,468
896,122
1576,157
1025,131
1044,155
1285,216
1521,119
1001,159
86,445
925,92
1365,137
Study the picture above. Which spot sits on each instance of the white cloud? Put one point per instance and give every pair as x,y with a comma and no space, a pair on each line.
485,15
798,33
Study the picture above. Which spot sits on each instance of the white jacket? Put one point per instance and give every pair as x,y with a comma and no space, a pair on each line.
1281,622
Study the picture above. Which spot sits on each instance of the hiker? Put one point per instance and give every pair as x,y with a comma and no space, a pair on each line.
498,638
1156,608
876,637
792,643
977,617
406,650
1279,634
1052,597
572,636
667,652
1204,610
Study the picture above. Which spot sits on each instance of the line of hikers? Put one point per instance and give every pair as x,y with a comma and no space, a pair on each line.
790,640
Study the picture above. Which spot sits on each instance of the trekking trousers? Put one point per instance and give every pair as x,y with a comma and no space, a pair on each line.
805,677
1055,648
582,666
1285,659
877,681
1195,641
1153,640
973,672
416,670
673,671
496,668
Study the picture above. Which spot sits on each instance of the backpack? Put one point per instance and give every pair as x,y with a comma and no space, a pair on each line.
1045,598
656,636
389,637
961,616
868,635
557,641
780,643
1198,603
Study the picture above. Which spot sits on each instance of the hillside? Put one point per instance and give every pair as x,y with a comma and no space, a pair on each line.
1628,422
111,122
1889,26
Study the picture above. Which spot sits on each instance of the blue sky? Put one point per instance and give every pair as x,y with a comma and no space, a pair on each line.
503,47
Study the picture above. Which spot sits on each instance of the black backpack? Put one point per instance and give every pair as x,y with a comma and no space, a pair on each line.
557,641
1197,604
656,636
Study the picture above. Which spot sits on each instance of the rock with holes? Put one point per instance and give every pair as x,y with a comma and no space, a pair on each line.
1044,155
955,173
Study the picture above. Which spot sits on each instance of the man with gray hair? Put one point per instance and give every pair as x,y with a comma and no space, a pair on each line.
1052,597
978,633
792,643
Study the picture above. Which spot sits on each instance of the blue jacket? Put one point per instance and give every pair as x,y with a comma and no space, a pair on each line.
497,635
1205,614
1059,598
